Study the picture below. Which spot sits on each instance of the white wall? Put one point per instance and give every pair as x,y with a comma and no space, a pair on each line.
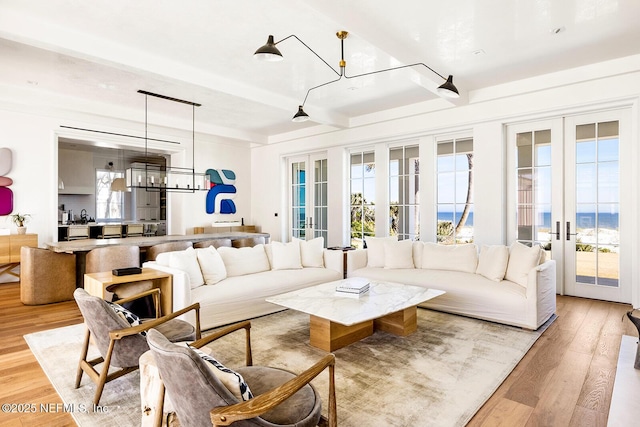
485,117
34,160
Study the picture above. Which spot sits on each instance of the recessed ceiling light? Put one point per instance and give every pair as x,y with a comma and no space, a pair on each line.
478,52
32,82
106,86
557,30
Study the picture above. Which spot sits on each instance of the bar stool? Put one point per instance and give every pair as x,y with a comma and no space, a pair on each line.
154,250
75,232
133,230
216,243
247,242
111,231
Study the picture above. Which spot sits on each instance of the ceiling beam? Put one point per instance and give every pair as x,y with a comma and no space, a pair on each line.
28,30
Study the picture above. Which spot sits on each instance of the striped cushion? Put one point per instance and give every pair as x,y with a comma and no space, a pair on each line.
232,380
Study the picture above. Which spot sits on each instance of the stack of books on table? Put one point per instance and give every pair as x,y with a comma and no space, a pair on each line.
353,287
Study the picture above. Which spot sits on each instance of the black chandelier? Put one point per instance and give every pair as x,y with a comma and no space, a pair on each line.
269,52
154,177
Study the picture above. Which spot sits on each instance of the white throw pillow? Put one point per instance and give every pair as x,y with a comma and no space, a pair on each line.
286,256
450,257
241,261
312,252
398,254
211,265
163,258
493,262
522,259
375,250
187,261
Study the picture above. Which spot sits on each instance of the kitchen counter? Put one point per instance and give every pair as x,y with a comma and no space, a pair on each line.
85,245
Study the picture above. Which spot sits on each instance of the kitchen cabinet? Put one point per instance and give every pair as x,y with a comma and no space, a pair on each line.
76,170
147,205
10,251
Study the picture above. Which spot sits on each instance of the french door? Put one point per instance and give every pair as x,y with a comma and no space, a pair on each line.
308,196
568,176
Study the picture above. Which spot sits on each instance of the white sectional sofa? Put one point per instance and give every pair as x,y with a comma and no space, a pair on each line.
231,284
511,285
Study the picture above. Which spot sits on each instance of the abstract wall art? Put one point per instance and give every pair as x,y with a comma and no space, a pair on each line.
222,192
6,195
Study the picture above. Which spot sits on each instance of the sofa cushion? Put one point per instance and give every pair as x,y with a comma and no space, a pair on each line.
493,261
211,265
522,259
375,250
241,261
312,252
450,257
398,254
286,256
233,381
187,261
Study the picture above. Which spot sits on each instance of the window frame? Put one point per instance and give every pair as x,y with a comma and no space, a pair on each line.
119,194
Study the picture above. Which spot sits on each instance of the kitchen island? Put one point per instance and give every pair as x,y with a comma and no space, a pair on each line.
83,246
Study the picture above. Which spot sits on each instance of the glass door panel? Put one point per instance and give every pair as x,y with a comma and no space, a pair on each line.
597,204
308,179
298,199
566,195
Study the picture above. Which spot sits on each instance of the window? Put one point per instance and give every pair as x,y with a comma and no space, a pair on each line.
363,191
109,204
455,191
534,187
404,194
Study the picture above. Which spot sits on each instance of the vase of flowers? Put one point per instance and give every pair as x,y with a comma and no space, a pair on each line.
20,220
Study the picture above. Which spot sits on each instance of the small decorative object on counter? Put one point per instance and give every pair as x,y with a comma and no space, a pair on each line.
20,220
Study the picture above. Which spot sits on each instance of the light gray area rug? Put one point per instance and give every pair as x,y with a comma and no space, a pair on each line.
439,376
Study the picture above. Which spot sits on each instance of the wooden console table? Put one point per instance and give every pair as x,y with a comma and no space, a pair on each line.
10,251
96,284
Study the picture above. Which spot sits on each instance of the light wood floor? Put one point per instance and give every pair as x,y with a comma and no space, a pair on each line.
566,379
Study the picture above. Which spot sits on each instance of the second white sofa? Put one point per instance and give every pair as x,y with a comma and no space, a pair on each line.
512,285
231,284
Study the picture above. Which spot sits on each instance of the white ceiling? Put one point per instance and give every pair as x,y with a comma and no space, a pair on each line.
94,55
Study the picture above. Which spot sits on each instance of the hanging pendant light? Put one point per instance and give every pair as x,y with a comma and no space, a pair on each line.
300,116
269,52
119,184
155,177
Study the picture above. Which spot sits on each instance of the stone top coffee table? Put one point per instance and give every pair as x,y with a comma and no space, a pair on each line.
337,321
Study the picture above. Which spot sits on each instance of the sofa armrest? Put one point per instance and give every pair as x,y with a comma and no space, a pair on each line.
334,260
541,287
181,288
355,260
541,278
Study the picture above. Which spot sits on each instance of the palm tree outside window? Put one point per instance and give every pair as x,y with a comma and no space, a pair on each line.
455,191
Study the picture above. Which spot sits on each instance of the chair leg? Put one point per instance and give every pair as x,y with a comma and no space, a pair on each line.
157,422
332,410
103,374
83,357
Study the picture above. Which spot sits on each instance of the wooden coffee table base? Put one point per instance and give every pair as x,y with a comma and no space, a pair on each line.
329,336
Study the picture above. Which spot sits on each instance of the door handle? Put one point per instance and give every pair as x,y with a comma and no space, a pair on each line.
569,233
557,233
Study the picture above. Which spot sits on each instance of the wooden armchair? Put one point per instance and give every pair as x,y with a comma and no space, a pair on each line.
200,398
119,343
